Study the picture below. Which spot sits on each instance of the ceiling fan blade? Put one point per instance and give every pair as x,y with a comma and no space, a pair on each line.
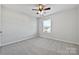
35,9
47,8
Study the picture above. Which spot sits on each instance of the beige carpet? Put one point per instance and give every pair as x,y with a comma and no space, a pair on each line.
40,46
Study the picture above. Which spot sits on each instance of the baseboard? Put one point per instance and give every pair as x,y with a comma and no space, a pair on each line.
27,37
59,40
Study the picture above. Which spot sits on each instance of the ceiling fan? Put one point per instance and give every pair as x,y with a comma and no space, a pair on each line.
41,8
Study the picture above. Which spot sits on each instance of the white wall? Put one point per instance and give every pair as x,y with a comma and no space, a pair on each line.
0,25
78,23
64,26
17,26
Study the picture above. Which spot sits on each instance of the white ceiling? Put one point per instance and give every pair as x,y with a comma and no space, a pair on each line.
27,8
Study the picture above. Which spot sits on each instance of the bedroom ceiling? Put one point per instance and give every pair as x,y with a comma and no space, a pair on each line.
27,8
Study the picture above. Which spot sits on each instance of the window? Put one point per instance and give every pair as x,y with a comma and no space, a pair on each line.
47,25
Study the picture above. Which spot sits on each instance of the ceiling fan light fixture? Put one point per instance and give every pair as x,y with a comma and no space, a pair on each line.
40,6
40,12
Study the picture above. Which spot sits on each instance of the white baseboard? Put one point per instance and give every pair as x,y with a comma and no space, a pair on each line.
27,37
59,39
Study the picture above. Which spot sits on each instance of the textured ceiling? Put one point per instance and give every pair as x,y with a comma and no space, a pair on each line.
27,8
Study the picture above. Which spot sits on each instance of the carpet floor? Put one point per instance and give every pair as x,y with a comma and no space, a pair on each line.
40,46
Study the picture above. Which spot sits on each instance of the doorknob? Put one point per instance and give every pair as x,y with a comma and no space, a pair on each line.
0,31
